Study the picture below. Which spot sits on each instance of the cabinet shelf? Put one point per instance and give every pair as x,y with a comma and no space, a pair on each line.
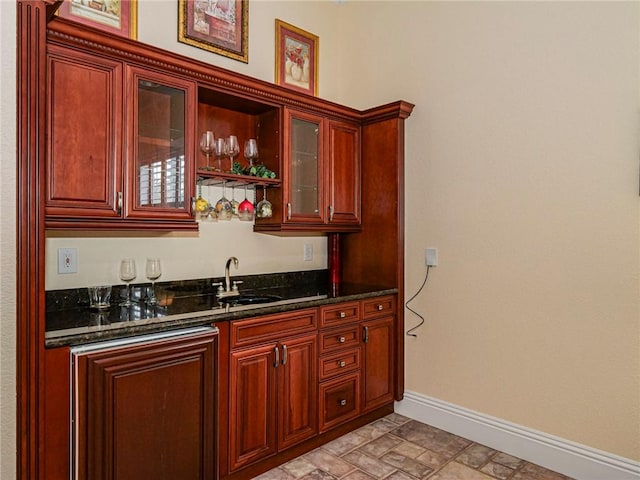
209,178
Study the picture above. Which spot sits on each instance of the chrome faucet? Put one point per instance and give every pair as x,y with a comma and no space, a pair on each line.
227,290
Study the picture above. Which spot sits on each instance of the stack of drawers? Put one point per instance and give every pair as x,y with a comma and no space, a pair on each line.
339,364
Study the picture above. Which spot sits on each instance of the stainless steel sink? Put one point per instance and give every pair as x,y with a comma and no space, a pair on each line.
248,299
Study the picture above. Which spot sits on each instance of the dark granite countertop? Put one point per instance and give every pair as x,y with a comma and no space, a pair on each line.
70,321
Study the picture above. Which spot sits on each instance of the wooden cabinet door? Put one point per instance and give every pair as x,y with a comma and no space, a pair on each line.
343,169
160,125
147,411
377,338
252,404
84,135
303,176
297,384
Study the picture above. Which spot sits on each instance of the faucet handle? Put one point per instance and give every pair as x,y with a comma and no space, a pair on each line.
235,284
219,285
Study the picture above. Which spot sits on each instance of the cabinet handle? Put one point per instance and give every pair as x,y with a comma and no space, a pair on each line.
341,339
331,213
284,354
288,210
119,203
365,334
343,402
343,314
342,363
277,353
379,307
193,206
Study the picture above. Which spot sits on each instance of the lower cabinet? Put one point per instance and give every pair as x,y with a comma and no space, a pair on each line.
300,378
377,338
272,386
146,411
378,347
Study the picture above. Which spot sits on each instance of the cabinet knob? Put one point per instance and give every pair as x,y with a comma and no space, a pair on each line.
343,402
343,314
379,307
342,339
342,363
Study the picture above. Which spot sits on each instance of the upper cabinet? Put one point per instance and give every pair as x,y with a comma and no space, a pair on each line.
160,129
120,153
124,126
320,176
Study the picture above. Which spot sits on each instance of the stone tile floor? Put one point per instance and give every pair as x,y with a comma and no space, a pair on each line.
398,448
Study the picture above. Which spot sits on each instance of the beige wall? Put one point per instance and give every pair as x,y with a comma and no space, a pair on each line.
7,241
522,168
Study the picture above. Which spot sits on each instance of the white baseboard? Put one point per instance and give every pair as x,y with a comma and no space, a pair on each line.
557,454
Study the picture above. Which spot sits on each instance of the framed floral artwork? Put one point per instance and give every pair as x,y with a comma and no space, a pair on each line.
219,26
119,17
296,58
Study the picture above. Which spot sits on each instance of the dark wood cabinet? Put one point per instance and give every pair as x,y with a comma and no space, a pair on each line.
84,148
378,328
147,410
120,144
320,176
252,415
272,386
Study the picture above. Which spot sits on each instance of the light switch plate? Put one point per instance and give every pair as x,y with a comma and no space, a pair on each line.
67,260
431,257
308,252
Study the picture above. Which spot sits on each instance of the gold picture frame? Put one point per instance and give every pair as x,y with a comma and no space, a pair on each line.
296,58
220,27
119,17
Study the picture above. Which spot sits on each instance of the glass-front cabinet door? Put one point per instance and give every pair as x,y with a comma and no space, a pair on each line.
159,152
303,177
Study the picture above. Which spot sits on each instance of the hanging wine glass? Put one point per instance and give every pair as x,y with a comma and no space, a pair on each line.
207,145
127,274
264,208
234,203
232,149
246,208
220,151
251,151
224,209
202,206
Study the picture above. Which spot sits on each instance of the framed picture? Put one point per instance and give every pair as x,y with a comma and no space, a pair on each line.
296,58
219,26
119,17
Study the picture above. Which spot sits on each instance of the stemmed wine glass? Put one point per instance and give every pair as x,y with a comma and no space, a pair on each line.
153,272
234,203
207,145
264,208
220,151
224,209
251,151
232,149
127,274
246,208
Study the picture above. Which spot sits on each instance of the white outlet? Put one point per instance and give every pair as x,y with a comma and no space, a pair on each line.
67,260
308,252
431,257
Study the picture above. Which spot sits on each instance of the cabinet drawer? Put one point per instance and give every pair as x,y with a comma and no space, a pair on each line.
340,314
272,327
376,307
340,338
339,400
339,363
